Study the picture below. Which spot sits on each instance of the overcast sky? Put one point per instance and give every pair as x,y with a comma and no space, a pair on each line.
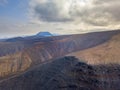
26,17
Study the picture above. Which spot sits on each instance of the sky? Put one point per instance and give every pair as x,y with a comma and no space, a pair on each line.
28,17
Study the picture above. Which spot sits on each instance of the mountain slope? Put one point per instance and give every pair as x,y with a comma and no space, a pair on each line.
40,52
66,73
22,55
108,52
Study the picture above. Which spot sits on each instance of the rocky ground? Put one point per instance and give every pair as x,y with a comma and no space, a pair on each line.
66,73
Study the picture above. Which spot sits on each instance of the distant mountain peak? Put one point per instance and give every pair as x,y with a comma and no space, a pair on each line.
44,34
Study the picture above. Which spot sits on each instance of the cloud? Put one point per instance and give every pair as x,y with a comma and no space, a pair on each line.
51,11
3,2
65,17
107,9
90,12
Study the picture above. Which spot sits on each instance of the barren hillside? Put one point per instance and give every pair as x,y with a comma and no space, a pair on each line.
18,56
66,73
108,52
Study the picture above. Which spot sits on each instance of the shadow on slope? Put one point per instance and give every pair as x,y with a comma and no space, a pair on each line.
67,73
